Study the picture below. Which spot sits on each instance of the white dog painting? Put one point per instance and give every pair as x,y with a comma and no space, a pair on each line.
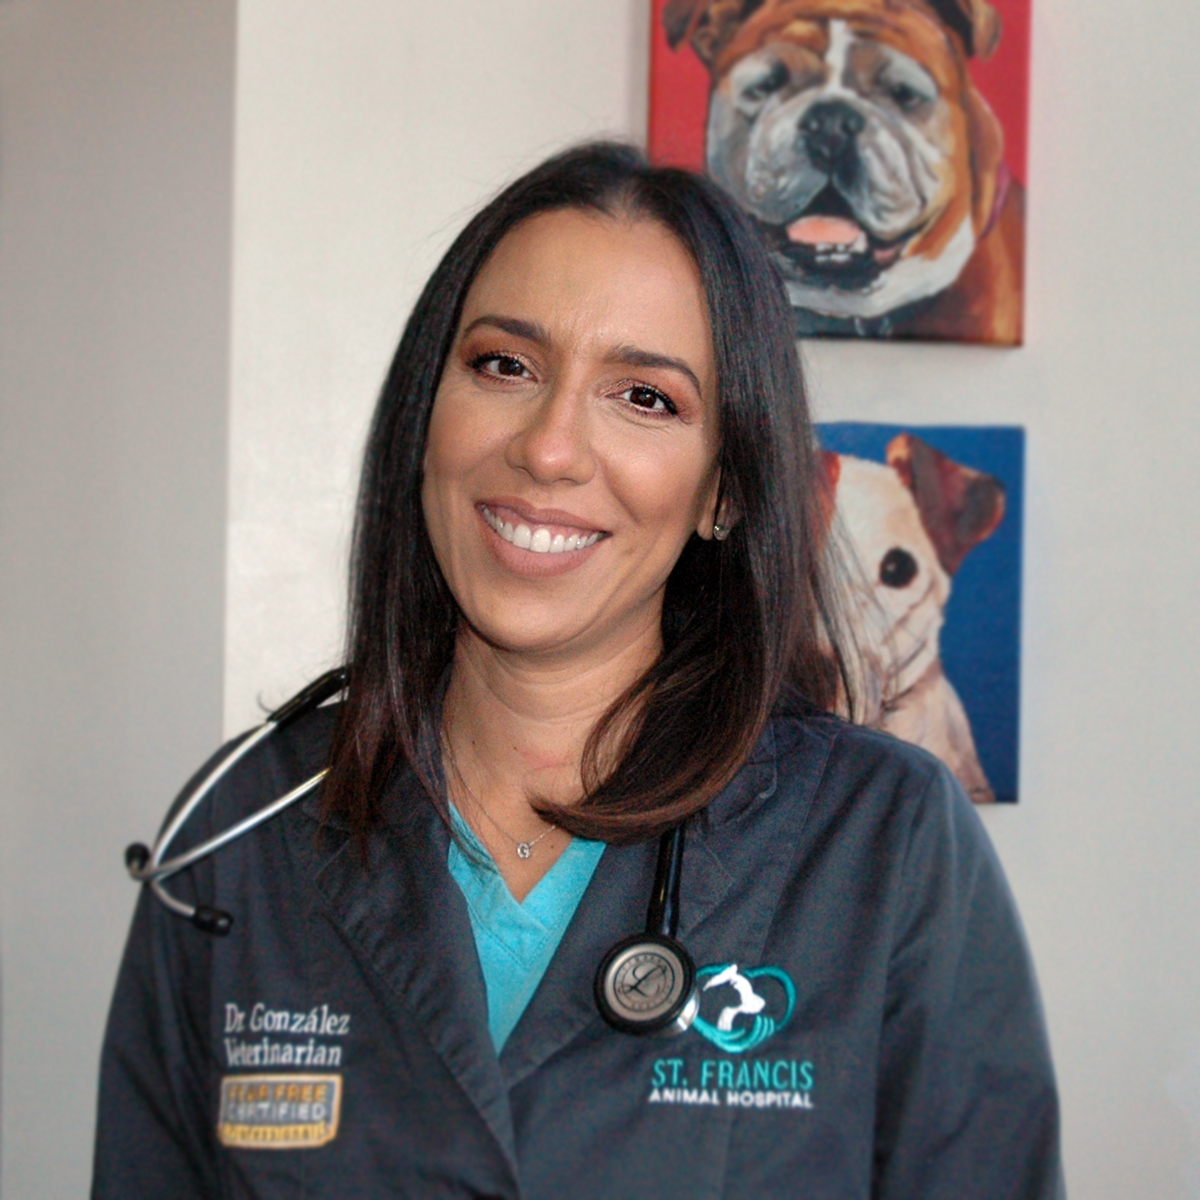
907,524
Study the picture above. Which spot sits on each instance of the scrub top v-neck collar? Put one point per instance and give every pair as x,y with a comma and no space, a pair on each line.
516,940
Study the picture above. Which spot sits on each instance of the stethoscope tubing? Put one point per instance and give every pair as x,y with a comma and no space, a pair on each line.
157,871
646,984
153,868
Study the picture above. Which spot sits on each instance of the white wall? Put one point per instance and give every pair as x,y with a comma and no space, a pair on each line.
365,134
116,124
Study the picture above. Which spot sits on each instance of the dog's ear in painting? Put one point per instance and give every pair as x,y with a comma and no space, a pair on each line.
975,22
710,24
959,507
830,465
978,27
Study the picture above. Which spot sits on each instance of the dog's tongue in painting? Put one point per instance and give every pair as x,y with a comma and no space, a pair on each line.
834,233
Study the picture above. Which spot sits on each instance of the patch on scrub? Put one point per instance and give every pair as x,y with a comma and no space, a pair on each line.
279,1112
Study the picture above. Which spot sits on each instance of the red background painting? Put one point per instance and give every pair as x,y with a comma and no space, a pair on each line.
679,91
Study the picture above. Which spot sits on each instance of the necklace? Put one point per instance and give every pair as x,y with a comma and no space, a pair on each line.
524,849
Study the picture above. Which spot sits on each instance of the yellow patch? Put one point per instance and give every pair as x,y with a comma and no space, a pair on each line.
279,1112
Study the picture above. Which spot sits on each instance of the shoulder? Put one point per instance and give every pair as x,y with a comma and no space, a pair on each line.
878,790
889,824
280,761
858,762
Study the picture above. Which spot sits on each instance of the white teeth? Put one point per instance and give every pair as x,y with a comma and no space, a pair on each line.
540,540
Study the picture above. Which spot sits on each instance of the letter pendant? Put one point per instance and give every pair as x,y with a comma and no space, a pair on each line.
524,849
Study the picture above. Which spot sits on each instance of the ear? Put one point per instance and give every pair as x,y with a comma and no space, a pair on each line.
987,158
710,24
959,507
977,26
680,17
976,22
720,508
831,468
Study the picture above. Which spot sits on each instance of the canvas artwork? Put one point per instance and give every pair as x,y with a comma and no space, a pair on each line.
930,521
879,145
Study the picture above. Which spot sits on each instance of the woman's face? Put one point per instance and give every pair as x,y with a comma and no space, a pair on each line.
573,439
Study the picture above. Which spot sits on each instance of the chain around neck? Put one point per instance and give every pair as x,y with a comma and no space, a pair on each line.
524,849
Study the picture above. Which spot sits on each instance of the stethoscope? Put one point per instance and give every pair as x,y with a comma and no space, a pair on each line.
645,984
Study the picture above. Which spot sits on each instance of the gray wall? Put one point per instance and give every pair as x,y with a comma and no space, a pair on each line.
116,127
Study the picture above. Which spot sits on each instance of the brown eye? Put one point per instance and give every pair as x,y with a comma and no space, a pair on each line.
650,399
504,365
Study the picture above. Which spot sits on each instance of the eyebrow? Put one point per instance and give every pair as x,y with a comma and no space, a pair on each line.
647,358
531,331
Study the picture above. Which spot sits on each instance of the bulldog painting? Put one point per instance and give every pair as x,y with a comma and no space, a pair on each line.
907,526
853,133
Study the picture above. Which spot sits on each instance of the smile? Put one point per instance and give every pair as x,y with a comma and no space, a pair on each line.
539,539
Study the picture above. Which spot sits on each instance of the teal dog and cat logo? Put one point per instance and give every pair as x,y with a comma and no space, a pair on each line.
739,1010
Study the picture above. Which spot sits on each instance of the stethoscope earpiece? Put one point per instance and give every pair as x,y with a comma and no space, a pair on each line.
212,920
137,855
647,984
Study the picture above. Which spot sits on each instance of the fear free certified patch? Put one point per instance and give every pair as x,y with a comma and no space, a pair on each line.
279,1112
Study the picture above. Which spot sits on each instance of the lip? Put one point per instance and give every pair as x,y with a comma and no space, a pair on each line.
529,563
552,518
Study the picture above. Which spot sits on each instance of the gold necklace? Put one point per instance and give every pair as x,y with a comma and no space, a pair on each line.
524,849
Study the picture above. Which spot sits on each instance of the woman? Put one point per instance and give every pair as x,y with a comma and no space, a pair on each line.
589,605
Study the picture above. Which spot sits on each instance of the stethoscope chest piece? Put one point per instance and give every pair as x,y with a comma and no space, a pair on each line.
647,984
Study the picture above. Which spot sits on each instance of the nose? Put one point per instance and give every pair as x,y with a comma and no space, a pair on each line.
553,441
829,130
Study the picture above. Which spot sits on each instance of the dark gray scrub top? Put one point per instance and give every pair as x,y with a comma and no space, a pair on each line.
885,1038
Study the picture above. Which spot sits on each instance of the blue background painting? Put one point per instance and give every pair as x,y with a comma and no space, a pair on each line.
981,640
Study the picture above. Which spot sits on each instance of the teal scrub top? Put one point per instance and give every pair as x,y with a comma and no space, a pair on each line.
516,940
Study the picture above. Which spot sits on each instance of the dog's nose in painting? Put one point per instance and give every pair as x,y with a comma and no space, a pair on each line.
829,130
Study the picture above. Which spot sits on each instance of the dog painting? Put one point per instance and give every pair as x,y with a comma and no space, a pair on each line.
911,521
858,137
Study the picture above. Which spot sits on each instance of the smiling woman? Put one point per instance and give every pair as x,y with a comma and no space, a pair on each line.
592,380
590,612
530,412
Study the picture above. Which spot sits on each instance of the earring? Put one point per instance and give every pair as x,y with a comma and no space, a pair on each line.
720,532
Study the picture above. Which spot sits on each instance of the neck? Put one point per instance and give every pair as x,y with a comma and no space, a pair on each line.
518,723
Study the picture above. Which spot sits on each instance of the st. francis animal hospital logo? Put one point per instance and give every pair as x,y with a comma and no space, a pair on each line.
761,1019
739,1012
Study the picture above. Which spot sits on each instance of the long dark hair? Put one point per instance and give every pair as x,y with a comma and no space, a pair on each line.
747,623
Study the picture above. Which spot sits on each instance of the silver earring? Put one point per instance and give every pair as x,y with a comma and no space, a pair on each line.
720,532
